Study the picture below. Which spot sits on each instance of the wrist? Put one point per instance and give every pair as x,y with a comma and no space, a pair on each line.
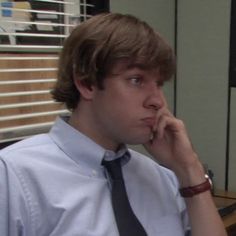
197,189
191,175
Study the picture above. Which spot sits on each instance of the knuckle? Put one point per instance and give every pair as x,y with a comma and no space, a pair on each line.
180,123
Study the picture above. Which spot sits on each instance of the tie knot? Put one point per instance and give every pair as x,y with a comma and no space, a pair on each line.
114,168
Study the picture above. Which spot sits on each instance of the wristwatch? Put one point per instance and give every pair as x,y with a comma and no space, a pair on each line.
197,189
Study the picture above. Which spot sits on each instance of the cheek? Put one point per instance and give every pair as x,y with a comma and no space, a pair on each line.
124,112
116,116
122,122
121,109
108,110
120,104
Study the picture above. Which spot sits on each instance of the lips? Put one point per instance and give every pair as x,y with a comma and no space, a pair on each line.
150,121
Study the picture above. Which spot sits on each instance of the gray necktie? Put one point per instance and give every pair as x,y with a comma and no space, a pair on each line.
127,222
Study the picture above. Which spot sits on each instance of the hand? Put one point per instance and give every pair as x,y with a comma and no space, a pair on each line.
172,147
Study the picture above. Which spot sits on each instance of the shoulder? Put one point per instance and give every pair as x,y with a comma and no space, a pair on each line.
29,161
26,149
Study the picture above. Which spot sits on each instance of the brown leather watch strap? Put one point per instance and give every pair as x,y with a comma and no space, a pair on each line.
194,190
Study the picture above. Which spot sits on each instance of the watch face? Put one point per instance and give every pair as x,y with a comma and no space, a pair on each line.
209,179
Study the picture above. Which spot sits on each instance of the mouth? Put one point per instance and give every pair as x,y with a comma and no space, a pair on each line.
149,121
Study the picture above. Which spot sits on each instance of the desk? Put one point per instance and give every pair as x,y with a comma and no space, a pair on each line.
223,198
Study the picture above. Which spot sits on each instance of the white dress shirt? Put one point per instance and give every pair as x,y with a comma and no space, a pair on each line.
54,185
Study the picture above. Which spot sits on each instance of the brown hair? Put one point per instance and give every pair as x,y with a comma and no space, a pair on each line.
95,45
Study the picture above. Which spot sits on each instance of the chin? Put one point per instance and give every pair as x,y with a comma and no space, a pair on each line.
138,139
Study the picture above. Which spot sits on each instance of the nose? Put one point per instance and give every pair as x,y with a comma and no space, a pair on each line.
155,99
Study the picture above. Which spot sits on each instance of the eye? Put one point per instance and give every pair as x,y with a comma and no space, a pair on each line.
136,80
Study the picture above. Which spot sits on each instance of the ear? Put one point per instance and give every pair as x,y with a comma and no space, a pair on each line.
85,89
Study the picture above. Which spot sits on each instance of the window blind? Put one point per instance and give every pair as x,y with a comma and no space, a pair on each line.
31,35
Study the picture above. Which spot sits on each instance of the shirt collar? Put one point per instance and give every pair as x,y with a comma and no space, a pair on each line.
122,152
83,150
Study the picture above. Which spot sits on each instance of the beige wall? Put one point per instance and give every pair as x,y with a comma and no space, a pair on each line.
203,44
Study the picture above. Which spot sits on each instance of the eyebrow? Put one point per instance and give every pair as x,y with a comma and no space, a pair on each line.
136,65
130,66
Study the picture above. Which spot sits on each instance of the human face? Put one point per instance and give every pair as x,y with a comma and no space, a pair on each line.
125,109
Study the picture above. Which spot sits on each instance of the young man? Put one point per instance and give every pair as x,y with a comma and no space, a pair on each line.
111,72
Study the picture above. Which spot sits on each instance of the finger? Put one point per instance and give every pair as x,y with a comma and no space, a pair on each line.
160,127
167,123
160,113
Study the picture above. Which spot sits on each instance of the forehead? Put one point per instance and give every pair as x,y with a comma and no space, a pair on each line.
124,66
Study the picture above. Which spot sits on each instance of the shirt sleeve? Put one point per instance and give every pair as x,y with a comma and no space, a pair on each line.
173,183
14,217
